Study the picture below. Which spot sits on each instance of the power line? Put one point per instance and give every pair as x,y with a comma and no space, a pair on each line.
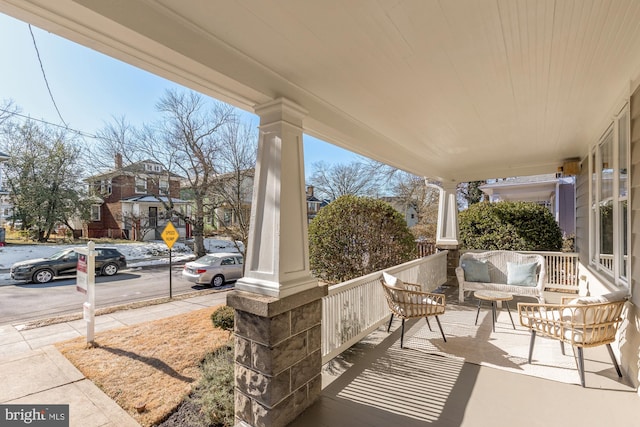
45,76
79,132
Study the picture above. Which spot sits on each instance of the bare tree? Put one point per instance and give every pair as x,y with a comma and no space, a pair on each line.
413,191
117,138
140,224
7,110
357,178
469,193
187,141
233,188
202,141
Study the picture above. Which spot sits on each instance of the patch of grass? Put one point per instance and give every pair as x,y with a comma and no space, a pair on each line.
156,364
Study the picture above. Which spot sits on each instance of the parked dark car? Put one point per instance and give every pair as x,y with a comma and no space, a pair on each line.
64,263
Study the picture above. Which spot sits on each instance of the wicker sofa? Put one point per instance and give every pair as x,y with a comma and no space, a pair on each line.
502,271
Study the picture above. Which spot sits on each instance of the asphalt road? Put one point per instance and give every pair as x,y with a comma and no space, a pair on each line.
21,302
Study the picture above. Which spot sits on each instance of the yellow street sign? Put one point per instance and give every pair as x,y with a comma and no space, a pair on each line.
170,234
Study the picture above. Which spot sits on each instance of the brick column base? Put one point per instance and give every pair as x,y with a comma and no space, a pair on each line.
453,259
278,358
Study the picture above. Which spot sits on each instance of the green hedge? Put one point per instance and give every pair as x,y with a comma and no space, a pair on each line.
518,226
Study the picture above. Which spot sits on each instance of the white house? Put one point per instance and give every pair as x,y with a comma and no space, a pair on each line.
407,210
556,192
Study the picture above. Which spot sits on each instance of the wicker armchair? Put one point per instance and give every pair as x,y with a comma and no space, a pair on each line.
582,322
407,301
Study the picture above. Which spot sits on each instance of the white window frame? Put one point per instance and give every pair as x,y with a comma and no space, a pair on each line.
163,185
151,167
95,213
105,187
616,270
140,189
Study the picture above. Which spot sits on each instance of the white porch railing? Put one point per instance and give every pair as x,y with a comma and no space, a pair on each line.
353,309
562,270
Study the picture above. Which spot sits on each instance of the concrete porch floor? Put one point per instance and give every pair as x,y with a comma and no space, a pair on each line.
361,390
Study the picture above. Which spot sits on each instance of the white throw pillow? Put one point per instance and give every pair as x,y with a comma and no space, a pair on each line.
586,315
392,280
610,297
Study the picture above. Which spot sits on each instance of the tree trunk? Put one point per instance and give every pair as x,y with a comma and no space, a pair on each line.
198,237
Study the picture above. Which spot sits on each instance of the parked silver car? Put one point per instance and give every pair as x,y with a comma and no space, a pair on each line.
214,269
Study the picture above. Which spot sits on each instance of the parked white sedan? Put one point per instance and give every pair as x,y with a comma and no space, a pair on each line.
214,269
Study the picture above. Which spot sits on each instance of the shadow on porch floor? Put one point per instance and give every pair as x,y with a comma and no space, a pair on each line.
375,383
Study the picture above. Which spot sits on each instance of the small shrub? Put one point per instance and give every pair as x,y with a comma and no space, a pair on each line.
223,318
354,236
424,232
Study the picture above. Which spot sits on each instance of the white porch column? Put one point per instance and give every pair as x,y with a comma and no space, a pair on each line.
278,304
447,230
277,261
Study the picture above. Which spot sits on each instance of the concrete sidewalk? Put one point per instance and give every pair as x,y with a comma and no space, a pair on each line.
32,370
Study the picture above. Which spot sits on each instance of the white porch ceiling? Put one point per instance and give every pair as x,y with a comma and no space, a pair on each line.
450,89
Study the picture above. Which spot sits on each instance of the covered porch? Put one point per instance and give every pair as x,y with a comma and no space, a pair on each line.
476,378
454,91
387,386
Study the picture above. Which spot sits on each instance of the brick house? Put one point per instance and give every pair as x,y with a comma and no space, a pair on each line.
130,202
313,203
